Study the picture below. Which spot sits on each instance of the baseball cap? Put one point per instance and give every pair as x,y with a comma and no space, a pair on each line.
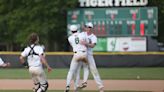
89,24
73,28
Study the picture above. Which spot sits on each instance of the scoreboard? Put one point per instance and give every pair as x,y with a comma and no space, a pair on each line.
127,21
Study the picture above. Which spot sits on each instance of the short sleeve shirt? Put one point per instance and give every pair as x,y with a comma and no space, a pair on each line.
33,60
74,41
91,39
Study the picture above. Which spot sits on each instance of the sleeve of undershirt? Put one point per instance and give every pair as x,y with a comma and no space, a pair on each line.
25,52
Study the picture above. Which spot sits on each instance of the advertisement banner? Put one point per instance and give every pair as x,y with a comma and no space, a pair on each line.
126,44
101,45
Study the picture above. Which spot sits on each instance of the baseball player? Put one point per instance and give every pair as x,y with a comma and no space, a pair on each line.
3,64
35,58
90,43
80,54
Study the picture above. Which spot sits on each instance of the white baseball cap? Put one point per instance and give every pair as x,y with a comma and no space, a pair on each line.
89,24
73,28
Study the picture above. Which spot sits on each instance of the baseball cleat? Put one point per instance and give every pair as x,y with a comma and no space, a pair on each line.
67,89
101,89
76,90
33,89
83,85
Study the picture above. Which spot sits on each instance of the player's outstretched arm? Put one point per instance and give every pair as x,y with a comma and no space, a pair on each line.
91,45
44,61
22,61
21,58
5,64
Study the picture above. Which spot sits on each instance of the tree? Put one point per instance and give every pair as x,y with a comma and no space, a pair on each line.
18,18
160,5
46,17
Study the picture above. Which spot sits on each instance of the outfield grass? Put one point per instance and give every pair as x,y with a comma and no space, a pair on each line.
105,73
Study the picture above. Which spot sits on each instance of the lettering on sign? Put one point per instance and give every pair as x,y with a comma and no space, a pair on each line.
109,3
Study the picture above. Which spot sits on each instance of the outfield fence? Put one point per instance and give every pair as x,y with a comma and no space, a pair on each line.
103,59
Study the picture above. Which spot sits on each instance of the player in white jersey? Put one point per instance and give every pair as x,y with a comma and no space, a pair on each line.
3,64
35,58
90,43
80,54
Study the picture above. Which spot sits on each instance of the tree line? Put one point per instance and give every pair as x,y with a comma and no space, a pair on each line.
18,18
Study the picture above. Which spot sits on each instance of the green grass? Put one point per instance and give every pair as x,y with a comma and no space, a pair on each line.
63,91
105,73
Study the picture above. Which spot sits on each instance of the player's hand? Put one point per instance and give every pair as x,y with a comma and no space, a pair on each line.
8,64
49,69
83,42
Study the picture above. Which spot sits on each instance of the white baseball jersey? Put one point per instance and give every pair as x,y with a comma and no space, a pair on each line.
80,54
74,41
91,62
33,53
33,59
1,62
90,39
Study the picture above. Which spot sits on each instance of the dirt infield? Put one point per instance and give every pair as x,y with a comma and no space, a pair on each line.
135,85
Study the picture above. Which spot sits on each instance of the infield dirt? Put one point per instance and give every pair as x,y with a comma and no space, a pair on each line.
55,84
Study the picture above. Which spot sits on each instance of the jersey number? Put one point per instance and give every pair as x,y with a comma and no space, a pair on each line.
77,40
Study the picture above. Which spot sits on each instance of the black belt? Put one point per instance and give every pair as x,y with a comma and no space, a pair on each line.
79,51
